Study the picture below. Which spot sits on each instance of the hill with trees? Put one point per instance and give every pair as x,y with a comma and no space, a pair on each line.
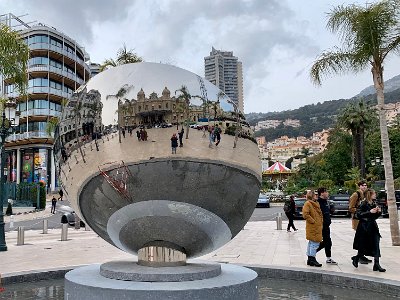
313,117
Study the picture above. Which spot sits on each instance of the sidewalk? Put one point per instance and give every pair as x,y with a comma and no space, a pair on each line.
259,243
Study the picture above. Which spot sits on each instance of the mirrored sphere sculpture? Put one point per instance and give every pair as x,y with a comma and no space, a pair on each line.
118,168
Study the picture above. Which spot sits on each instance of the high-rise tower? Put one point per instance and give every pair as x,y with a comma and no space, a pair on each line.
225,71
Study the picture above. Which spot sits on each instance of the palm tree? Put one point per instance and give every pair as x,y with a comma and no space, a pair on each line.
357,117
51,126
14,55
124,56
369,34
185,95
119,96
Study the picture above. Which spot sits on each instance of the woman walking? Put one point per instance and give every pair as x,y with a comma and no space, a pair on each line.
367,237
313,215
290,214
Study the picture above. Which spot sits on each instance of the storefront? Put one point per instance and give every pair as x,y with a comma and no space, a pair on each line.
34,166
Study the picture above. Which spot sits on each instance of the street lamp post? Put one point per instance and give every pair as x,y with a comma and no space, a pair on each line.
9,111
378,163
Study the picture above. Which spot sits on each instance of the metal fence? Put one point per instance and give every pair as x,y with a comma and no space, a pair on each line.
22,194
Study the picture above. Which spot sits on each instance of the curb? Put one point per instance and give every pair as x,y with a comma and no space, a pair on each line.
367,283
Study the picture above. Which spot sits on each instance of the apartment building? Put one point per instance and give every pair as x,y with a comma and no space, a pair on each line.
56,68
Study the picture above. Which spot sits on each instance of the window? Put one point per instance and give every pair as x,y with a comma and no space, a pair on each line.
37,39
41,104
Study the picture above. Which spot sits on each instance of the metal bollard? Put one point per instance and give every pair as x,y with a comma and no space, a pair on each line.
77,222
21,236
11,221
45,226
279,221
64,232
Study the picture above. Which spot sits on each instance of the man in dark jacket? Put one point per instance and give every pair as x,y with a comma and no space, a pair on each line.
180,134
326,243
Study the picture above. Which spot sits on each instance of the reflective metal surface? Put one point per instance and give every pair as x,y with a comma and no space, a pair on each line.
116,162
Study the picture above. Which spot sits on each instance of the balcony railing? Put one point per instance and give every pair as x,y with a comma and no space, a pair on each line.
42,90
27,135
40,112
46,46
46,68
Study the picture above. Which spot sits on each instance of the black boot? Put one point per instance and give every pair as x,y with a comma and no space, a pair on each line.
314,262
309,261
377,266
363,260
355,261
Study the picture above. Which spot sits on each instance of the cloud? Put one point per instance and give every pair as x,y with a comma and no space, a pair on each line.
276,40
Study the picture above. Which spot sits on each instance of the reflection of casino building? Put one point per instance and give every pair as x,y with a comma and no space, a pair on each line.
85,110
56,68
156,110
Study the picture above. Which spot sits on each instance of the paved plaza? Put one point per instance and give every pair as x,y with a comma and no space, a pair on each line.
259,243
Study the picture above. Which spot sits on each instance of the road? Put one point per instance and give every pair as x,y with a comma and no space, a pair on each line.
259,214
267,214
54,220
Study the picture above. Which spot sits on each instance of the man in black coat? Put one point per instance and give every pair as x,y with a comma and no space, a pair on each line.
180,134
326,243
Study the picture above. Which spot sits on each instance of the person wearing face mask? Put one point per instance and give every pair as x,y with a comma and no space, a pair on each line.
367,238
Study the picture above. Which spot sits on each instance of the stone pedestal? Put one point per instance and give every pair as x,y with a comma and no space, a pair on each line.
193,281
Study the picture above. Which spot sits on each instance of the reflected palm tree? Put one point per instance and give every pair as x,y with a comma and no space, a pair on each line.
185,95
119,96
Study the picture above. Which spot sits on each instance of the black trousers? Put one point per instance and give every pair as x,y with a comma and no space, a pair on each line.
291,223
326,241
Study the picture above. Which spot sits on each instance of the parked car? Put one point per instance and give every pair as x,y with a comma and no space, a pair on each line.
340,204
381,199
298,210
263,201
68,216
299,203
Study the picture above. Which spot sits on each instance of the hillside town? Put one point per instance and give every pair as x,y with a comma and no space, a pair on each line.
298,148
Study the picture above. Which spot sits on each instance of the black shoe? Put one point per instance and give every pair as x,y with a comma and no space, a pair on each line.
377,267
363,260
314,262
355,261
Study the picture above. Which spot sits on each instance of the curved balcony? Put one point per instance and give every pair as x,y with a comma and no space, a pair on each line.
28,135
48,90
40,112
46,46
47,68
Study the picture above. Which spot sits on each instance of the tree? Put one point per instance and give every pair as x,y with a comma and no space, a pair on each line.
368,35
119,96
357,117
14,55
124,56
185,95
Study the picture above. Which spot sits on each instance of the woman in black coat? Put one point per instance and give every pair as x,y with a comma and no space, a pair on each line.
367,237
290,214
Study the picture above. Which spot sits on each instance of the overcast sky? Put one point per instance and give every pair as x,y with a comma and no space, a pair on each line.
276,40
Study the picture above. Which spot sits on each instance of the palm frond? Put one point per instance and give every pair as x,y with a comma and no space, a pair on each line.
335,62
107,64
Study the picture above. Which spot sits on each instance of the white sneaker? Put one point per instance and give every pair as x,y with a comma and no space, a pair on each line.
330,261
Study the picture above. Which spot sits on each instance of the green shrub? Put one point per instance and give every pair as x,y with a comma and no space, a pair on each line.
28,192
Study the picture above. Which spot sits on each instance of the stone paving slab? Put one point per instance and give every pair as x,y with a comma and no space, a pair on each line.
259,243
